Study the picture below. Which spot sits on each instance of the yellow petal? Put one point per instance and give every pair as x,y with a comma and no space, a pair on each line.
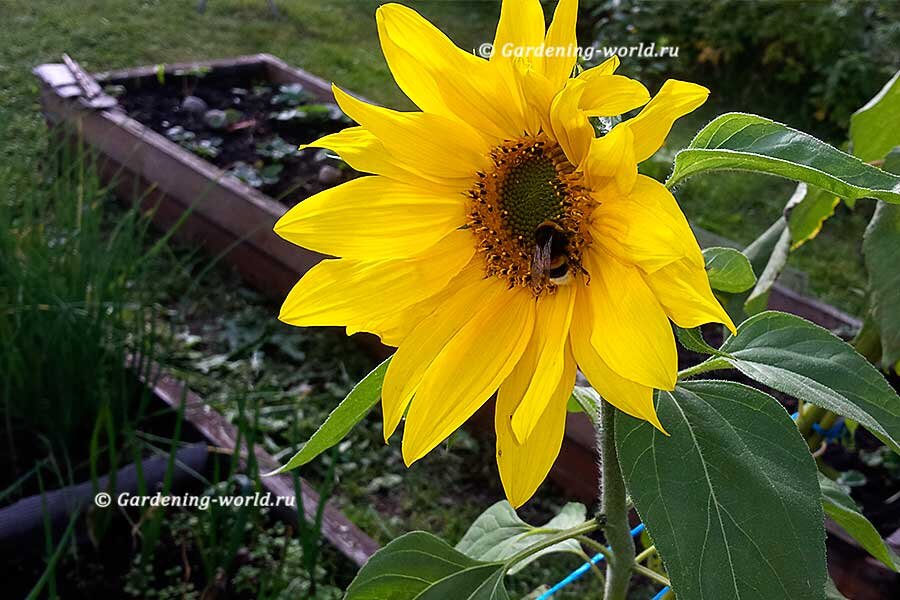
441,78
560,40
393,328
538,93
610,95
551,330
468,371
607,67
646,228
631,331
425,342
373,218
364,152
674,100
571,127
524,466
440,148
611,160
521,26
683,290
628,396
360,293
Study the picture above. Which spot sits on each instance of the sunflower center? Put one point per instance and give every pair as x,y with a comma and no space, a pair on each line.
530,194
527,212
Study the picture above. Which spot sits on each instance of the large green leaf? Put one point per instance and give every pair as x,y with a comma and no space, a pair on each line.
499,534
881,247
794,356
843,510
352,409
421,566
730,497
874,128
738,141
728,270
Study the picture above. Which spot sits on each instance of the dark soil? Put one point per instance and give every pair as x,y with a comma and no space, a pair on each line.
254,103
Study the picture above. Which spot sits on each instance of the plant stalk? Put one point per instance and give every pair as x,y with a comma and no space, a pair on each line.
614,505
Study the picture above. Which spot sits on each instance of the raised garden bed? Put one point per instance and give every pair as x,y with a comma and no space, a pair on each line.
145,159
204,438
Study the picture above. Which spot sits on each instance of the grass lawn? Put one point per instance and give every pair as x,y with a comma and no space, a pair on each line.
337,40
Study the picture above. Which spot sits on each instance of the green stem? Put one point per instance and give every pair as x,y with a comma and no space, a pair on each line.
868,341
597,572
574,532
651,574
596,546
614,505
645,554
712,364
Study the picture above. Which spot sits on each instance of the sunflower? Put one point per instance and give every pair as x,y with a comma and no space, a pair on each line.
500,243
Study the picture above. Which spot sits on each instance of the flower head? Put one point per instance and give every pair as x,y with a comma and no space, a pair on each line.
501,244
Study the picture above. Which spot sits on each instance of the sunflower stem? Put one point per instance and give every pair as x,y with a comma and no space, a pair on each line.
614,505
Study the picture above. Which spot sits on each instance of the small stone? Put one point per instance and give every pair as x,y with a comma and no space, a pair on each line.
194,105
215,119
329,175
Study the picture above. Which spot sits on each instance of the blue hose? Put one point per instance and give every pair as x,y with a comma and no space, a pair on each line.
577,573
830,434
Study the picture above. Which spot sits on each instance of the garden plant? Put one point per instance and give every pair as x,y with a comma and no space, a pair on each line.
505,239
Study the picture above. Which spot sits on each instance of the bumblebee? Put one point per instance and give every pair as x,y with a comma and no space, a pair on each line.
551,253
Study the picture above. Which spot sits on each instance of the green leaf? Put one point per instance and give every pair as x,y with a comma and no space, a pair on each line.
728,270
499,534
873,129
738,141
730,496
843,510
759,253
807,211
799,358
421,566
881,248
692,339
758,300
348,413
586,399
760,250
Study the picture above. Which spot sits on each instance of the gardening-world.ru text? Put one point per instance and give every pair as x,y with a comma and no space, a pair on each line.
642,50
203,502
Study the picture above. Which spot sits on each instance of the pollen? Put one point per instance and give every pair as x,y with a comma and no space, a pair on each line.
528,212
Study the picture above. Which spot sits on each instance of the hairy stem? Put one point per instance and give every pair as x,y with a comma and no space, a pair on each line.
651,574
712,364
614,505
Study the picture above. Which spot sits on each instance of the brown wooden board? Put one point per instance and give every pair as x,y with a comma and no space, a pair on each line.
346,537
